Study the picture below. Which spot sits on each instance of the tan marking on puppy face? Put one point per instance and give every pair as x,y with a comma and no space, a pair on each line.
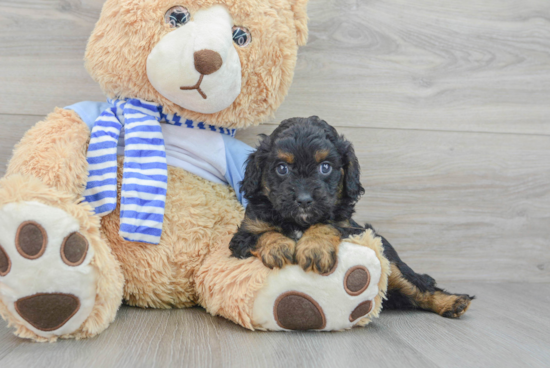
321,155
257,226
265,187
317,249
340,192
286,157
441,303
275,250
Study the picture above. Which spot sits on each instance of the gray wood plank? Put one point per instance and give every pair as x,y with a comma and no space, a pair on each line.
480,66
42,47
460,206
156,338
485,337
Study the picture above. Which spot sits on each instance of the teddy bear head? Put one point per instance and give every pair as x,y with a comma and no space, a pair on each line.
228,63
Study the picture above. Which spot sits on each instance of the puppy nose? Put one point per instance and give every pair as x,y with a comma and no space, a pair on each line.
304,200
207,61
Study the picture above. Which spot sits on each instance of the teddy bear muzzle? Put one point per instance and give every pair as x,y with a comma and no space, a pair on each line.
196,65
206,63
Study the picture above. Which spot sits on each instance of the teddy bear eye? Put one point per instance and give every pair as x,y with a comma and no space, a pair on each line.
241,36
325,168
282,169
177,16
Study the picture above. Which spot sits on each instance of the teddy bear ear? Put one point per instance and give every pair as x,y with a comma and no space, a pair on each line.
299,7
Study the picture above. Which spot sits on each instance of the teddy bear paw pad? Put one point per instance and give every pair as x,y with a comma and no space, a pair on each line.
298,311
47,281
292,299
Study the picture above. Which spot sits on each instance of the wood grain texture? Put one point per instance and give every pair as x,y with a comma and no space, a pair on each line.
436,65
428,64
42,47
492,334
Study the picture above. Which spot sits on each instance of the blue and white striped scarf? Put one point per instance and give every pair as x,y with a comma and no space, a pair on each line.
144,179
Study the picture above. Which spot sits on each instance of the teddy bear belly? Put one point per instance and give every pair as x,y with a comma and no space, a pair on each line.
200,216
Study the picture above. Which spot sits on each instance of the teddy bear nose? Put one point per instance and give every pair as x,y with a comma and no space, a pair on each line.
207,61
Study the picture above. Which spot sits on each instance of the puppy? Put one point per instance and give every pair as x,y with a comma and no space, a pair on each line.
302,184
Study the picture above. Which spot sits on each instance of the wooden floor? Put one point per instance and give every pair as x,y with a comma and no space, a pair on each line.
448,105
507,326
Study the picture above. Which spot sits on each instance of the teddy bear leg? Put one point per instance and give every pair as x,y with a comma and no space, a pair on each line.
256,297
58,277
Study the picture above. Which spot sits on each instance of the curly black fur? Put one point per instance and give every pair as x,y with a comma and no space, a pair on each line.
272,198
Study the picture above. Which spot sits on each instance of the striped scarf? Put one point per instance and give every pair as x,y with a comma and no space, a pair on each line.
144,179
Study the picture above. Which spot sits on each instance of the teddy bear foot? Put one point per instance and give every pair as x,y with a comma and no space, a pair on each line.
345,297
48,279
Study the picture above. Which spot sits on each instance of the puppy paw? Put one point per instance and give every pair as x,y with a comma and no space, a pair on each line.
317,250
319,257
275,250
454,306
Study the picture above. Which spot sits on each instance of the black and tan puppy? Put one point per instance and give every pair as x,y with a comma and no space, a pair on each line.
302,185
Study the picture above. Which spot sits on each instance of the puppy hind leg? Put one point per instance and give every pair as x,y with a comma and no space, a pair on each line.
409,290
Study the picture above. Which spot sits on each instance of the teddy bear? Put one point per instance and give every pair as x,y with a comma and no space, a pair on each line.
136,199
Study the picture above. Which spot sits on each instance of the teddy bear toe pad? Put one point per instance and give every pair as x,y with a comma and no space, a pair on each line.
46,280
296,300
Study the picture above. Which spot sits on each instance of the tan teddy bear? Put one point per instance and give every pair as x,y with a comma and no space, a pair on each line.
80,233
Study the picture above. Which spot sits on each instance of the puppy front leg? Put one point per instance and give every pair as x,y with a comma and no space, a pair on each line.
318,248
260,239
274,249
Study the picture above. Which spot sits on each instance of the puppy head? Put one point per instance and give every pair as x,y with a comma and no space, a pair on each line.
306,170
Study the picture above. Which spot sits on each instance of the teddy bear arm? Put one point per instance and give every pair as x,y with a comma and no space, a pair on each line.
54,151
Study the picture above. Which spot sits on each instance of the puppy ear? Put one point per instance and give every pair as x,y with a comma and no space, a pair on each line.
352,174
252,182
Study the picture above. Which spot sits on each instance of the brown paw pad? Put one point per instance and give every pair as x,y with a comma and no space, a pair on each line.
74,249
298,311
47,312
361,310
5,263
31,240
356,280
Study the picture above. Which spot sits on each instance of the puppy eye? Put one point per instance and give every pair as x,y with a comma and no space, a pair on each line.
325,168
241,36
282,169
177,16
